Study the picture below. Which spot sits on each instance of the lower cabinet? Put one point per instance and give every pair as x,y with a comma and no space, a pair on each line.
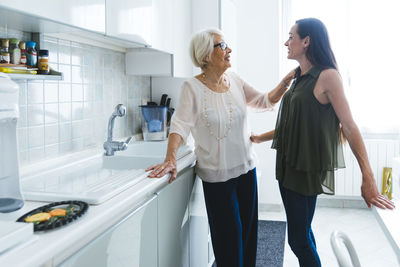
201,252
173,221
155,234
131,242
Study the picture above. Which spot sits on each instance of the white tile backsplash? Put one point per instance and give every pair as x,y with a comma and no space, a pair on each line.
36,137
51,113
35,92
64,92
64,52
35,115
60,117
76,74
51,92
77,92
22,93
51,136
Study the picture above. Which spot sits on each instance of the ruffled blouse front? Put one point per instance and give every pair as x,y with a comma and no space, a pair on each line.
307,139
227,152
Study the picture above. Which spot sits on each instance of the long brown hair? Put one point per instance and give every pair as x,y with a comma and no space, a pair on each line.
319,52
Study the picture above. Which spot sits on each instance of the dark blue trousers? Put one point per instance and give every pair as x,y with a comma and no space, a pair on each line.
232,209
299,214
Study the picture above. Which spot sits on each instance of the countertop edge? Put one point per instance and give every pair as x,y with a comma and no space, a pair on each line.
388,220
67,240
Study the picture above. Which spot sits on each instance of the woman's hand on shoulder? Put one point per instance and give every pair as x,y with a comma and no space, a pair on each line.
371,196
276,94
159,170
289,77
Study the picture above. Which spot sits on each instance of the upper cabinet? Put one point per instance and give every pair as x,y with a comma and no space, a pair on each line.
85,14
170,31
181,35
130,20
166,26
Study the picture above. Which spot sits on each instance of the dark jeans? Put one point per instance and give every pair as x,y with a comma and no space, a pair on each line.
299,214
232,209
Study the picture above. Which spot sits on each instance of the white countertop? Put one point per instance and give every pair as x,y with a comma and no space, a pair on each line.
62,242
389,221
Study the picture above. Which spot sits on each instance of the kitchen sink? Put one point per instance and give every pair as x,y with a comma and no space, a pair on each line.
141,154
97,178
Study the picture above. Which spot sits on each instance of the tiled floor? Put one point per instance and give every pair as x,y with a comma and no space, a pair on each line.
360,225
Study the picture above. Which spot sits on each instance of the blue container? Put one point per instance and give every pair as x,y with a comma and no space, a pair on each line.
154,119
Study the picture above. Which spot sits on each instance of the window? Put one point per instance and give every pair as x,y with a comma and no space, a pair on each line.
365,37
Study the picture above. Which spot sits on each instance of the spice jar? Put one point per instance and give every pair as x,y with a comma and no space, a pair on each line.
23,52
31,55
15,52
4,54
43,62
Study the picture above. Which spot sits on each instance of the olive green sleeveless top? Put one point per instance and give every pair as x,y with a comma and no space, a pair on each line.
307,139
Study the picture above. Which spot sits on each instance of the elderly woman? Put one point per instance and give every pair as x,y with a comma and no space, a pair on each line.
212,107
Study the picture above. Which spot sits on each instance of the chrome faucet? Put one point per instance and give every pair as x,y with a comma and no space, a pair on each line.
109,145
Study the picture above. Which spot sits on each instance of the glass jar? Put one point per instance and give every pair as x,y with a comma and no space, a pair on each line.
15,52
23,52
43,62
31,54
4,54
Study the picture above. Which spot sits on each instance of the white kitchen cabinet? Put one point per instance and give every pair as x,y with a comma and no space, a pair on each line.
182,35
157,233
148,62
173,221
166,27
172,33
85,14
131,242
130,20
201,252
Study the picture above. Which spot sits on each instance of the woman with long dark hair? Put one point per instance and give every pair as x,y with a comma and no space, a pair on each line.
312,116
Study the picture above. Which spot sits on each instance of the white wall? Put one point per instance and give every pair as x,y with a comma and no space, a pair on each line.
258,57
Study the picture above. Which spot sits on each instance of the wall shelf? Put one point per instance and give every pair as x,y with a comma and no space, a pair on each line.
54,75
14,76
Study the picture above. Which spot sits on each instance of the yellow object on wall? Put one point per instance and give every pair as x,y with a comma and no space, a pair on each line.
20,71
387,182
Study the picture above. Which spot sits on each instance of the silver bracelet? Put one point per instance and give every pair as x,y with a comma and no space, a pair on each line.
285,84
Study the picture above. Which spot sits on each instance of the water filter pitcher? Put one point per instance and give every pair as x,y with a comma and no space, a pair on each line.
10,192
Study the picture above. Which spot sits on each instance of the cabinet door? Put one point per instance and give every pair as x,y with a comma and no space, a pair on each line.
182,33
171,32
131,242
130,20
200,243
173,221
86,14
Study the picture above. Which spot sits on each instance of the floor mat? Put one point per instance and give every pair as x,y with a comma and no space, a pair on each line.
271,243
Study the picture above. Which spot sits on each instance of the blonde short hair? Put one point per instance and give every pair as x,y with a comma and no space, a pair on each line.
202,45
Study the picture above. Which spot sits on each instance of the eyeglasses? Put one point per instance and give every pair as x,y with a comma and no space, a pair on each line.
223,45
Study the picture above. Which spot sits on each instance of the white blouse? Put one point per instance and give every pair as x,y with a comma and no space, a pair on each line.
218,123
